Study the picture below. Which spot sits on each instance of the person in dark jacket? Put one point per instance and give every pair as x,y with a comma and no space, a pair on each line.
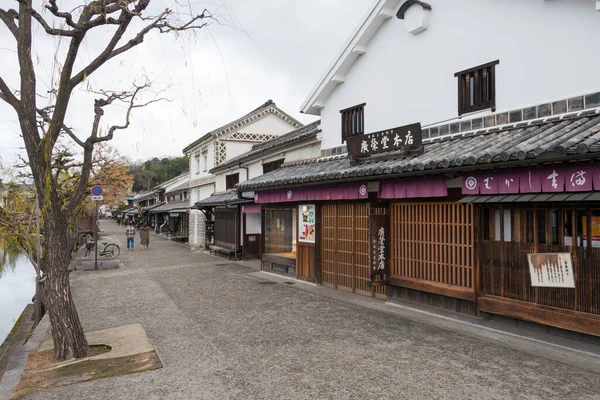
145,236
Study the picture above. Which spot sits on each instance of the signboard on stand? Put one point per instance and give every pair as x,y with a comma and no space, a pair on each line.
551,270
306,223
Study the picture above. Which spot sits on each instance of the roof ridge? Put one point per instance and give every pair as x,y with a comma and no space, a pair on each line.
241,121
280,141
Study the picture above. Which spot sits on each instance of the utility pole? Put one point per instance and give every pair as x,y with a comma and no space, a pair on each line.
38,276
96,236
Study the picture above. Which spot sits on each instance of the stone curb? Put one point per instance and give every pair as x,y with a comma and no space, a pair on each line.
16,365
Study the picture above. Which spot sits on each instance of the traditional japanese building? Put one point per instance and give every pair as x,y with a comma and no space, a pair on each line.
459,171
221,145
234,220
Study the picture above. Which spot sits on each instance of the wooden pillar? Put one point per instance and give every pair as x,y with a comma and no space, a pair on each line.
318,244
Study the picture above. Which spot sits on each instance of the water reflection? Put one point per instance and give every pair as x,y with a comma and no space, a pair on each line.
17,287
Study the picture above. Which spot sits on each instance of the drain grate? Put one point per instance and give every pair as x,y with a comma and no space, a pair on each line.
289,283
266,282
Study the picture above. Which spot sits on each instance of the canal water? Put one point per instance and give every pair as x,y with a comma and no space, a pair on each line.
17,287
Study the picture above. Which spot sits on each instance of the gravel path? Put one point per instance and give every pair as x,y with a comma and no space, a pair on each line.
223,333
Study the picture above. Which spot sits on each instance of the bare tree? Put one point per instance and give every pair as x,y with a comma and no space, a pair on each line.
41,127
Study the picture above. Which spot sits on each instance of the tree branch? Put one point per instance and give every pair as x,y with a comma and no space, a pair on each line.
7,95
9,17
46,118
49,30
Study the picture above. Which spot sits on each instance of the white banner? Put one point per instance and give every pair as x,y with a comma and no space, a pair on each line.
551,270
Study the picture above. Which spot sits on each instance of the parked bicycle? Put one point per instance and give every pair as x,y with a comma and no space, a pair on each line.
110,250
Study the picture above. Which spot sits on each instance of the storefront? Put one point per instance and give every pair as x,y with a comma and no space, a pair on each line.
474,223
225,219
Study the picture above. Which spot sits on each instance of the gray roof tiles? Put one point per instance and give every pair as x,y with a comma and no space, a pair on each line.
225,198
307,132
571,135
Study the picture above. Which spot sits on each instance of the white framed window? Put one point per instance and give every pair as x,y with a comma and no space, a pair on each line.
204,161
197,164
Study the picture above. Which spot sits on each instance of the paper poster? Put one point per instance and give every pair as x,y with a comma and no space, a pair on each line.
551,270
306,223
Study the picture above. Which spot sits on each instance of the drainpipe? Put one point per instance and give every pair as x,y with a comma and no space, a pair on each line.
246,168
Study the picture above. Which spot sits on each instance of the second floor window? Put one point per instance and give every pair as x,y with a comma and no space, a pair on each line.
477,88
353,121
204,161
272,166
231,181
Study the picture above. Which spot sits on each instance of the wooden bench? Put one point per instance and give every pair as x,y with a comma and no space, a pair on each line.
221,251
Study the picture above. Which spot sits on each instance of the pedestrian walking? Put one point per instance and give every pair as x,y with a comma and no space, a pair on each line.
130,234
145,236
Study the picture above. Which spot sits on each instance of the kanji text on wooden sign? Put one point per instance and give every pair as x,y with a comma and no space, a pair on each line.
552,179
403,138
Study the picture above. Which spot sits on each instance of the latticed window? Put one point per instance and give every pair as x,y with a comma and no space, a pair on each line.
477,88
353,121
231,181
272,166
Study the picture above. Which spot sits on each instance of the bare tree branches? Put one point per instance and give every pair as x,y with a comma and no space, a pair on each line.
38,17
7,95
9,17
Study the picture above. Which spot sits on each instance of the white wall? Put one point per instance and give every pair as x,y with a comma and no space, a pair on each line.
252,224
206,191
197,151
270,124
547,51
235,149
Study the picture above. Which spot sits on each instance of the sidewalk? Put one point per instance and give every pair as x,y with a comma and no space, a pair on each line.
224,331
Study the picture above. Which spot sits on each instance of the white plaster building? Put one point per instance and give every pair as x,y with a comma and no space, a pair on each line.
403,70
224,143
237,222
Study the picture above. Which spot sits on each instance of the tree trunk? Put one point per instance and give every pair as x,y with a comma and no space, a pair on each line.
67,332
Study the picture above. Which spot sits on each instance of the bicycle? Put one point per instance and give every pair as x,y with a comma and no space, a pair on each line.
110,250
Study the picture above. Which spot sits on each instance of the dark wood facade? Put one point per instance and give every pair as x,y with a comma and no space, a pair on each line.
470,258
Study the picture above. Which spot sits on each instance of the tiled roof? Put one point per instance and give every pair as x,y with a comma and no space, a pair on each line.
309,131
225,198
180,205
182,186
569,137
240,121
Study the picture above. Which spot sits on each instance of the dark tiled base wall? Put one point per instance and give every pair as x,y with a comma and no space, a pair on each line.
466,308
542,328
433,300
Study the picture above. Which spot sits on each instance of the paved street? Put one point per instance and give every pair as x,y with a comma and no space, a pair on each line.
223,333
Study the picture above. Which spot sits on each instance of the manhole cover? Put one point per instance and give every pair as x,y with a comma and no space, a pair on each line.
289,283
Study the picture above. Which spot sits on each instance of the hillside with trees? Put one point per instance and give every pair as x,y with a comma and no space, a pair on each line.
155,171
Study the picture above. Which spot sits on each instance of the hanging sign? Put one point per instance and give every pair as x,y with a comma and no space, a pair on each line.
403,138
379,238
553,179
551,270
306,223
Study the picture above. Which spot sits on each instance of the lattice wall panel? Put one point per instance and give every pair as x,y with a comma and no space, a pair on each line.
220,152
433,242
250,137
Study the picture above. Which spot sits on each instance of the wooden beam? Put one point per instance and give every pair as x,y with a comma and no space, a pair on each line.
434,287
553,316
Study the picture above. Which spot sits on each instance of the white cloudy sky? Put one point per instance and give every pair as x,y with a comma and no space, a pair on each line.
258,50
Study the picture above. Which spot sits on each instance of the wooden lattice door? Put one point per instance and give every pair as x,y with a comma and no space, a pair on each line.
345,248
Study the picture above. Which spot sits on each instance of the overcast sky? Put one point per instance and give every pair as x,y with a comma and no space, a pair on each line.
258,50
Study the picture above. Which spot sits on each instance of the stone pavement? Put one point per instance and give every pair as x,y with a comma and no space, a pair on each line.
222,332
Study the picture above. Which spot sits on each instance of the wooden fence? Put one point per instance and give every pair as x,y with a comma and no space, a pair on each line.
345,248
433,248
